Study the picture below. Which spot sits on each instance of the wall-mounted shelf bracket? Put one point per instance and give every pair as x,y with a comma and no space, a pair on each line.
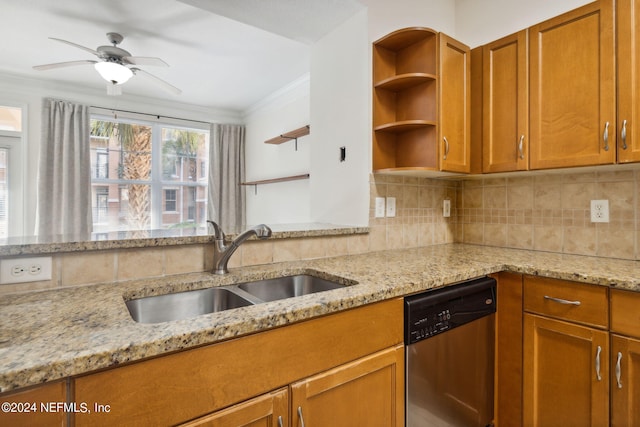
288,136
274,180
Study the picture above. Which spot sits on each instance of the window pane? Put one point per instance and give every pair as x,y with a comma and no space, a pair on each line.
11,118
184,154
4,193
120,150
121,207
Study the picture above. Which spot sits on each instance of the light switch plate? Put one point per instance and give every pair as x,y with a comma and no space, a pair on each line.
379,207
391,206
446,208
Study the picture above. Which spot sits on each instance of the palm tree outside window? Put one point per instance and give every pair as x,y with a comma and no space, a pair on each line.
151,170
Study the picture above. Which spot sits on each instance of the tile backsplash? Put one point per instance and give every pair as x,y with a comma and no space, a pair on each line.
551,212
539,211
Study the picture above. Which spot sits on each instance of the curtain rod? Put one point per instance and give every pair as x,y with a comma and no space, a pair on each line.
157,116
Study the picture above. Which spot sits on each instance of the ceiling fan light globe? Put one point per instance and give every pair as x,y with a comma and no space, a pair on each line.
113,72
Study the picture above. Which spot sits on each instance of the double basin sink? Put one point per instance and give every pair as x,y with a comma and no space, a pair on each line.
189,304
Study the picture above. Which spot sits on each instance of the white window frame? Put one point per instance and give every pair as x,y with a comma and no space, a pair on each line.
156,183
14,142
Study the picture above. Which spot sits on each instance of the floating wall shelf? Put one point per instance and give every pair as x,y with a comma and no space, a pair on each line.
288,136
275,180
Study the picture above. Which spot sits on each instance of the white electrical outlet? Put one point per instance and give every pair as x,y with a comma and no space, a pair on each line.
20,270
599,211
391,206
379,207
446,208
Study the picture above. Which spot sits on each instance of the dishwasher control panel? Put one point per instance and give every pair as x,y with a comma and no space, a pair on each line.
433,312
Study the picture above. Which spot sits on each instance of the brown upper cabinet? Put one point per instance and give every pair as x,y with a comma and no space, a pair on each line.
505,104
420,102
628,56
572,88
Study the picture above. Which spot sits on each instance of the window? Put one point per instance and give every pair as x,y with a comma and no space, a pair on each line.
11,164
150,171
170,199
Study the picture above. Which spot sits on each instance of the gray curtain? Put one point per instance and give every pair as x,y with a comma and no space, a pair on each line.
226,171
64,170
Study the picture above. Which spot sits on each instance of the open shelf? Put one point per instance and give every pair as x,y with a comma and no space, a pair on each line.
404,81
275,180
288,136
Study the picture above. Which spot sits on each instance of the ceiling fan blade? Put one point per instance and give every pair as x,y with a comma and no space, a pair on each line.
166,86
76,45
145,60
63,64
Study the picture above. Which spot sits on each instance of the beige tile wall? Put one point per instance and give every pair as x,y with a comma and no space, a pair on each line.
419,222
547,212
551,212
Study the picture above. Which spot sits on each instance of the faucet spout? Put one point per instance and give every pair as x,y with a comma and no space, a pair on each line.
222,252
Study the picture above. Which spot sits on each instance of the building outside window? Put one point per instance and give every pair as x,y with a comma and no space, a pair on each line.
151,170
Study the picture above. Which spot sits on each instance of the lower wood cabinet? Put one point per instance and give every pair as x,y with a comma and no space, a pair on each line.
566,374
193,384
368,392
365,392
38,406
268,410
625,358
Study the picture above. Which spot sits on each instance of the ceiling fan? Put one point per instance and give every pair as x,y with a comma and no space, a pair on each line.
115,65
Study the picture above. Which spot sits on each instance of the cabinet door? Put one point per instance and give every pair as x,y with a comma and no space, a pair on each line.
572,88
269,410
455,107
625,381
628,55
505,105
566,374
366,392
25,406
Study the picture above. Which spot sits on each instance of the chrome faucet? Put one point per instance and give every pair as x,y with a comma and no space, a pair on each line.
222,252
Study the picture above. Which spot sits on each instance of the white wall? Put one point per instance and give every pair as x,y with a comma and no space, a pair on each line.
479,22
386,16
340,116
28,93
286,202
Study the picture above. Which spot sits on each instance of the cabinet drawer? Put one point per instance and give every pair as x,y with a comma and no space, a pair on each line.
562,299
625,317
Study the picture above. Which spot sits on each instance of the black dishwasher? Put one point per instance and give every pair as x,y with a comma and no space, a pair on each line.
449,355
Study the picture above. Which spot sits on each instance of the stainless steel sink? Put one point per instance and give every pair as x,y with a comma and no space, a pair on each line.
287,287
184,305
189,304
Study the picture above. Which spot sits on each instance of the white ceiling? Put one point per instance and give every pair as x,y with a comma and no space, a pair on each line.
216,61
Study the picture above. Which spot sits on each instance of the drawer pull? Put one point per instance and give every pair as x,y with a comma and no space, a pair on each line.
300,416
623,134
619,370
598,363
562,301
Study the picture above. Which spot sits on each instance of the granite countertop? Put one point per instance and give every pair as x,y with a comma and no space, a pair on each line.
50,335
32,245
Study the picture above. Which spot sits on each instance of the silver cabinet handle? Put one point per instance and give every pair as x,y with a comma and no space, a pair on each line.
446,147
521,146
280,421
623,134
605,136
597,364
619,370
562,301
300,416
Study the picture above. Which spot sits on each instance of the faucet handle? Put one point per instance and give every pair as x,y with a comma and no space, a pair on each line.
217,231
